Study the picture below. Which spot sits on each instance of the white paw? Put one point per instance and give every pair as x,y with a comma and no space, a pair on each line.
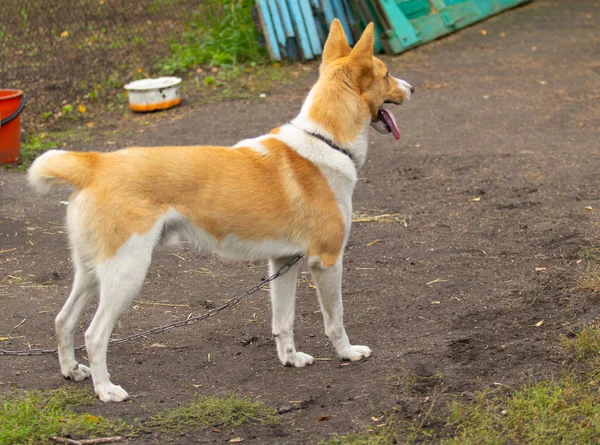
297,359
355,352
108,392
77,372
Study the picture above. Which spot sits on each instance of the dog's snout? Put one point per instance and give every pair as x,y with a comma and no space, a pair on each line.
412,89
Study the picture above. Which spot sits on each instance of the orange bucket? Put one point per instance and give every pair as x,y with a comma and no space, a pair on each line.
12,103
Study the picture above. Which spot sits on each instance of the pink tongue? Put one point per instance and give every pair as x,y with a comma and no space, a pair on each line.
390,121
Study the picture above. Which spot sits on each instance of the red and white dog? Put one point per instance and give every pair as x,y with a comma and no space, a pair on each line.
272,197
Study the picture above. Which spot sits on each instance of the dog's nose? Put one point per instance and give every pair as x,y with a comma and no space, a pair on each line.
412,89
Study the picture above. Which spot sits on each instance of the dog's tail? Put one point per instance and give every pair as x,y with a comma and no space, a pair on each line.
63,167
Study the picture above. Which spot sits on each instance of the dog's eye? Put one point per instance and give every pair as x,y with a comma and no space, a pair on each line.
387,74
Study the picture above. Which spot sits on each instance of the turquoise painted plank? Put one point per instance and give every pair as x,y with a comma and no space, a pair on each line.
291,45
300,28
311,27
277,24
327,8
268,29
400,25
460,15
284,13
414,8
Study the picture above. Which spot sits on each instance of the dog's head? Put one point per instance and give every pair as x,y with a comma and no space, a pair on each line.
367,76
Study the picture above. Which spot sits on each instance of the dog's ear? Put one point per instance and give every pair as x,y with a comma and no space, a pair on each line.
360,59
336,45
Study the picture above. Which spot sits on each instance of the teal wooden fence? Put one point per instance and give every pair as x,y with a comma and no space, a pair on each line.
297,29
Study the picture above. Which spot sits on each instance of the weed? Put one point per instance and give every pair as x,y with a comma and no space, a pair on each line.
383,434
226,412
585,344
591,278
36,416
566,410
32,147
221,34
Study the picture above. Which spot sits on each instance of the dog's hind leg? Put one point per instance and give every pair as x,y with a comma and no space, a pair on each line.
121,278
283,300
329,288
85,287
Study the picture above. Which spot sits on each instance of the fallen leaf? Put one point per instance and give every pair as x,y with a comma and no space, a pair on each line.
64,34
373,242
158,345
476,199
375,419
542,82
216,430
435,302
502,34
437,280
236,440
323,418
483,32
539,323
540,269
485,96
81,108
90,125
589,208
534,48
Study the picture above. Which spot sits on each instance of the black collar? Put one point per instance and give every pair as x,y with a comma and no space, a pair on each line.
328,142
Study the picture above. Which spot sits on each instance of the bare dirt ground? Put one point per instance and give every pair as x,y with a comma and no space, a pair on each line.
498,160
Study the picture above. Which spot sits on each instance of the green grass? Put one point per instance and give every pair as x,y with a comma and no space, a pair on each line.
33,146
564,411
34,417
591,278
221,34
383,434
227,412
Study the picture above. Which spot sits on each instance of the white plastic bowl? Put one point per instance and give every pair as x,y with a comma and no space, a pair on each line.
154,94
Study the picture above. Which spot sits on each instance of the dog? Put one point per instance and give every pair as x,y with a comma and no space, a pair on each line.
273,197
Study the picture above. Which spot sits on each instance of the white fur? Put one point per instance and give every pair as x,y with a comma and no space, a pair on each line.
406,87
37,179
254,144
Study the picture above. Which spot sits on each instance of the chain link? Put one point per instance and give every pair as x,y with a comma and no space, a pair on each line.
190,320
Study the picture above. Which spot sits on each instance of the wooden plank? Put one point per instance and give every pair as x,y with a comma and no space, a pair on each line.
300,28
311,27
268,30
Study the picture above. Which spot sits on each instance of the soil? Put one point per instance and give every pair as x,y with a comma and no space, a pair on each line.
496,170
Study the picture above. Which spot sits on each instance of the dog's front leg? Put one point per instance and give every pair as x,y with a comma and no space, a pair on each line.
283,299
329,289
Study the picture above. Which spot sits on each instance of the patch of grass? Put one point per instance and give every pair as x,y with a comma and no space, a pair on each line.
585,344
35,416
221,33
224,412
384,434
591,278
33,146
563,411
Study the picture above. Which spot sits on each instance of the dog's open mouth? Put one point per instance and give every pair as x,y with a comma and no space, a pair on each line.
387,117
386,123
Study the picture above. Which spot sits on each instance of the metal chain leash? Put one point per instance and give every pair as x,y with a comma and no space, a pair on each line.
190,320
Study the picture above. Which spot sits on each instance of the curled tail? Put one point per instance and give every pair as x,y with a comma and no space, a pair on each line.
63,167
